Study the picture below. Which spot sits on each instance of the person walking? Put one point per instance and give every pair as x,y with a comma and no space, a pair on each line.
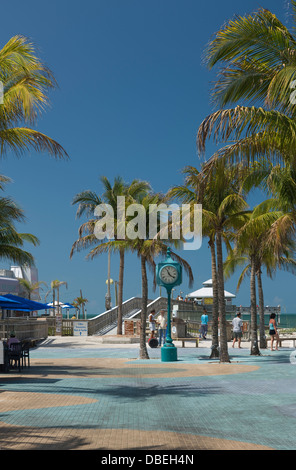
237,324
204,324
273,332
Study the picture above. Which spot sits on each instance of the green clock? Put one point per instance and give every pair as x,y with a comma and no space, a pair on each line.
169,273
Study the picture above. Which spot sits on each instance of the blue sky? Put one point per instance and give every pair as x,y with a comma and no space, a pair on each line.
132,93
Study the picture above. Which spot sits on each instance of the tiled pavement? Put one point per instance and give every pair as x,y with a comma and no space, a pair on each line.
100,397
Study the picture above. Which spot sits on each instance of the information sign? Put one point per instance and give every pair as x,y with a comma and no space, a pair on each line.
80,328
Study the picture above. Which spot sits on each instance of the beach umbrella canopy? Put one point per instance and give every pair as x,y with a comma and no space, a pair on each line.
22,304
9,304
61,304
6,300
68,306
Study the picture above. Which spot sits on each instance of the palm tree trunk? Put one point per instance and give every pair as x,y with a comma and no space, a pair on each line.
120,292
254,339
143,348
58,299
53,302
224,356
263,341
108,300
215,337
82,304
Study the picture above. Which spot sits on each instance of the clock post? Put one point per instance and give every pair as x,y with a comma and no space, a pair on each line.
169,275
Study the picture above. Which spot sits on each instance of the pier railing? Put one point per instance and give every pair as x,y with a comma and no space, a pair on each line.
131,308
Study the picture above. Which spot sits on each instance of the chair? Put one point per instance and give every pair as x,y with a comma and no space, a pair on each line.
26,354
15,354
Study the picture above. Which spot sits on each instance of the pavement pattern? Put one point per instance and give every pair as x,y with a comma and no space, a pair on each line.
84,395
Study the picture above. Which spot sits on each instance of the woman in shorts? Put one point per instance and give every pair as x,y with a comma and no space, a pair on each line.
273,332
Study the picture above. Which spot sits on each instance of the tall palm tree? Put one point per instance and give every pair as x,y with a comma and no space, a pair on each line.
218,192
87,202
26,82
55,288
147,250
251,243
278,182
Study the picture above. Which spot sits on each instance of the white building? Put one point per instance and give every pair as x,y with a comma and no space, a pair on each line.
29,274
204,296
9,281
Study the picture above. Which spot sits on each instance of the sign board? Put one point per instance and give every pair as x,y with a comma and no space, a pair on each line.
59,323
80,328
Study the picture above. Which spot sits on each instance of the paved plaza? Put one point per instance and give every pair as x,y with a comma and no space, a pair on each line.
80,394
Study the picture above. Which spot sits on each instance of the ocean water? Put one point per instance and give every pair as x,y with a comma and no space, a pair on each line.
284,320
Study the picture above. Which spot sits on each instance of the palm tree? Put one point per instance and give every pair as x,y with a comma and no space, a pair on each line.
12,242
55,288
218,192
279,245
79,303
26,82
258,57
252,245
87,202
147,250
230,213
31,287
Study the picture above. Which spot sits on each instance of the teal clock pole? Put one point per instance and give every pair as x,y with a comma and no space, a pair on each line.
169,350
169,275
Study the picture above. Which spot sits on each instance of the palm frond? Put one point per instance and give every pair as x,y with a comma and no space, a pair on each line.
23,139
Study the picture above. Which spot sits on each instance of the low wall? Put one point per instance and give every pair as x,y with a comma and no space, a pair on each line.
24,329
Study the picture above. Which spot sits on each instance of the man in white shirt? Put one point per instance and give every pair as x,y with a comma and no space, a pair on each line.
237,324
162,327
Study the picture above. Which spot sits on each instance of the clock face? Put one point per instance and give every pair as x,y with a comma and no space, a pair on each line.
168,274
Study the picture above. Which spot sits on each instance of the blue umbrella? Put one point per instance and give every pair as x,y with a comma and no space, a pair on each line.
5,299
9,304
21,304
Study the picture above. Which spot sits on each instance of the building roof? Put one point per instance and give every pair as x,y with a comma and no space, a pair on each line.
207,291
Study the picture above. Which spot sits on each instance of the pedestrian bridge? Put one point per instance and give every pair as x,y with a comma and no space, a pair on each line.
131,309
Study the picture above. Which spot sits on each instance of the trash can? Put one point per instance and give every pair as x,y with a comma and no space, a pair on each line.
179,328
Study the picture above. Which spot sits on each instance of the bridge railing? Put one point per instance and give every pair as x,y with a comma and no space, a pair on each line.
103,320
